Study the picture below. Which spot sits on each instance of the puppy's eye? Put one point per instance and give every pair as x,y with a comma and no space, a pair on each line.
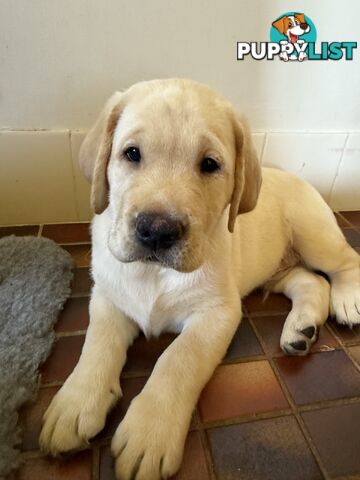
133,154
209,165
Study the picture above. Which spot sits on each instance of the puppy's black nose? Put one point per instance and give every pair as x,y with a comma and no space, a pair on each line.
155,231
304,26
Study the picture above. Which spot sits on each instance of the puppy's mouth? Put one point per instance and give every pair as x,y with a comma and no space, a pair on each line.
152,258
164,258
293,37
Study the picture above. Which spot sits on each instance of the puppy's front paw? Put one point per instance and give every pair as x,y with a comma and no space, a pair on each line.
76,414
149,442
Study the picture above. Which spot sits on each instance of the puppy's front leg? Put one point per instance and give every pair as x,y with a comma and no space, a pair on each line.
148,444
78,410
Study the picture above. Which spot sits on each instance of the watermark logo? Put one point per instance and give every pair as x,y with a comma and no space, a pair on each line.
293,31
293,38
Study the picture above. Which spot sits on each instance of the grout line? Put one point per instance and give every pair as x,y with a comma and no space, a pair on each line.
307,132
344,346
349,224
329,199
210,465
251,417
75,192
73,244
74,222
95,467
352,358
75,333
328,404
80,294
293,406
343,218
235,361
270,313
58,383
32,224
263,147
83,130
30,454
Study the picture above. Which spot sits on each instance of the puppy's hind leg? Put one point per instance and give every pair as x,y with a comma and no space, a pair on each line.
322,246
310,295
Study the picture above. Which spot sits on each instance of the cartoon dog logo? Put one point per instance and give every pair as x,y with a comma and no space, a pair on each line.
292,27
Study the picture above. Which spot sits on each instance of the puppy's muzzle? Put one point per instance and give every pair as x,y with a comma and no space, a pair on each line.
157,231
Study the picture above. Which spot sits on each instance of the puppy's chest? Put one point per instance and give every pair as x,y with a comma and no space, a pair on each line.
147,302
151,299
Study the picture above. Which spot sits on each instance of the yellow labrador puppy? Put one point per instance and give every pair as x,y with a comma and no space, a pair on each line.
172,166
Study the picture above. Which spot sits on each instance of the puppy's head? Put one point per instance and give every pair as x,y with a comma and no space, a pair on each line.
166,158
292,26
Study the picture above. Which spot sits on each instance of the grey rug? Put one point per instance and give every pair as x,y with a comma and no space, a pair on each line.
35,278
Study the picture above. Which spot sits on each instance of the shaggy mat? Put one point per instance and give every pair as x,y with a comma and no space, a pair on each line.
35,278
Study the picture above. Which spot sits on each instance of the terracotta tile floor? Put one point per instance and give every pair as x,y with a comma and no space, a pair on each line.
262,415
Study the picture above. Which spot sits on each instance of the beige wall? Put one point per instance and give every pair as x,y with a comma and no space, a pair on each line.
59,61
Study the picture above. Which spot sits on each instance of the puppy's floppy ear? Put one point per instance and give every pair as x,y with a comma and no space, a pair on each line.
300,17
281,25
95,152
247,174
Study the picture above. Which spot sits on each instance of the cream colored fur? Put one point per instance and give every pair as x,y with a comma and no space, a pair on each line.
194,290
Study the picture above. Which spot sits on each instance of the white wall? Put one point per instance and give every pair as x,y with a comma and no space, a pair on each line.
59,61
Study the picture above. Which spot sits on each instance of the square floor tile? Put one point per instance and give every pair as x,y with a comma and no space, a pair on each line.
241,389
349,336
355,352
30,418
320,376
342,222
352,217
81,254
63,359
256,303
335,432
270,328
244,343
74,316
193,466
19,231
67,232
143,354
272,449
76,467
82,281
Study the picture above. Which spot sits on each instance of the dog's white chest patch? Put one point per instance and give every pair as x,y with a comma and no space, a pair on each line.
156,299
138,296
